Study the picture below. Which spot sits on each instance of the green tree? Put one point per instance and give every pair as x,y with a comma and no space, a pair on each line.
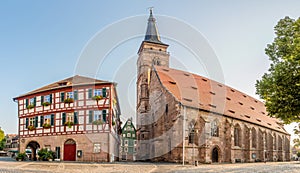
280,86
2,135
2,139
2,144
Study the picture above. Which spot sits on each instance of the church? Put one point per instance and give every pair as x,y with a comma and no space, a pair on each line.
186,118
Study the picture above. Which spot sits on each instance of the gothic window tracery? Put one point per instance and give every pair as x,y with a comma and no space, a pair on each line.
215,129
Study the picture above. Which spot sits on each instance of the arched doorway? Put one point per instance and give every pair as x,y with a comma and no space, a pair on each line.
215,155
70,150
34,146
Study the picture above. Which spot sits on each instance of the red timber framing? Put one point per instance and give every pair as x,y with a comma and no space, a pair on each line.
81,105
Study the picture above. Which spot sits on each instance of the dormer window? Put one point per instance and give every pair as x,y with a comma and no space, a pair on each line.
62,83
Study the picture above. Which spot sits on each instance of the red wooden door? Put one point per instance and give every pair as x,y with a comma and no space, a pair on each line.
70,151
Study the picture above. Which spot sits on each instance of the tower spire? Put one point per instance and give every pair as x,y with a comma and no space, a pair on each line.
152,32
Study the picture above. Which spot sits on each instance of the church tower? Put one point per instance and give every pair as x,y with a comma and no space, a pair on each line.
151,52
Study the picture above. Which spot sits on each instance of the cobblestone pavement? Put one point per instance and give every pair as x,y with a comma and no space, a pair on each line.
8,165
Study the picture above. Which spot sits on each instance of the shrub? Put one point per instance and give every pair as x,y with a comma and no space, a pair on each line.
45,154
21,156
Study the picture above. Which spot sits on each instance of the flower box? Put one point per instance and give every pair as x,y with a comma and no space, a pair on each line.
46,104
30,106
69,124
97,98
97,122
69,100
31,128
47,126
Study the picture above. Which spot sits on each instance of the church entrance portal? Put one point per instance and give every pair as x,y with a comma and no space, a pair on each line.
215,155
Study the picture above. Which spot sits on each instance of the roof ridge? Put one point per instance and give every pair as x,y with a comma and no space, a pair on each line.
67,82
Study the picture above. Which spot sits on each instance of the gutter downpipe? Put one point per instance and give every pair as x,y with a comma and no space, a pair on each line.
183,134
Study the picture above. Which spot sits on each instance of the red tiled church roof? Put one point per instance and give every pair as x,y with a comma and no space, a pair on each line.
200,92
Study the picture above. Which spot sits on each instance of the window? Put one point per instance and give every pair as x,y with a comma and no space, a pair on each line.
126,149
70,95
133,135
70,117
124,135
237,136
214,129
128,135
191,136
97,92
97,148
253,138
135,142
97,115
46,99
167,109
31,101
32,121
126,142
47,119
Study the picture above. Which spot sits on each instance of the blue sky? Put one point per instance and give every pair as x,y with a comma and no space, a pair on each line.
41,41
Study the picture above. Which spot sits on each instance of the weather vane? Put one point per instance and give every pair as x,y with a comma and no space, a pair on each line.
150,8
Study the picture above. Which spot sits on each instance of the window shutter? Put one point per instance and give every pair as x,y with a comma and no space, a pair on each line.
75,118
42,100
27,120
42,121
26,102
90,116
34,101
50,98
104,92
76,95
52,119
62,97
36,121
104,115
63,118
90,95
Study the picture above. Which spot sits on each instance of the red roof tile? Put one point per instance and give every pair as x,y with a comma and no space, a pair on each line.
200,92
68,82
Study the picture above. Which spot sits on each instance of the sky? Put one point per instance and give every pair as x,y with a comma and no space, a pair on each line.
42,42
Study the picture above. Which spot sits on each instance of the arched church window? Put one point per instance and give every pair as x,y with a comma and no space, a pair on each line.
215,129
254,140
237,136
191,136
191,132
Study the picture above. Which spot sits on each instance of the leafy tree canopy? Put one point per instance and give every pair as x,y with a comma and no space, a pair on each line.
280,86
2,135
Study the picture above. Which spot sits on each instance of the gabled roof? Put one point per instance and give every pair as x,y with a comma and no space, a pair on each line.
68,82
199,92
126,124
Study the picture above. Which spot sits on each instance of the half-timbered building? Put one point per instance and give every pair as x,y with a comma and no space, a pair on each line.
78,118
